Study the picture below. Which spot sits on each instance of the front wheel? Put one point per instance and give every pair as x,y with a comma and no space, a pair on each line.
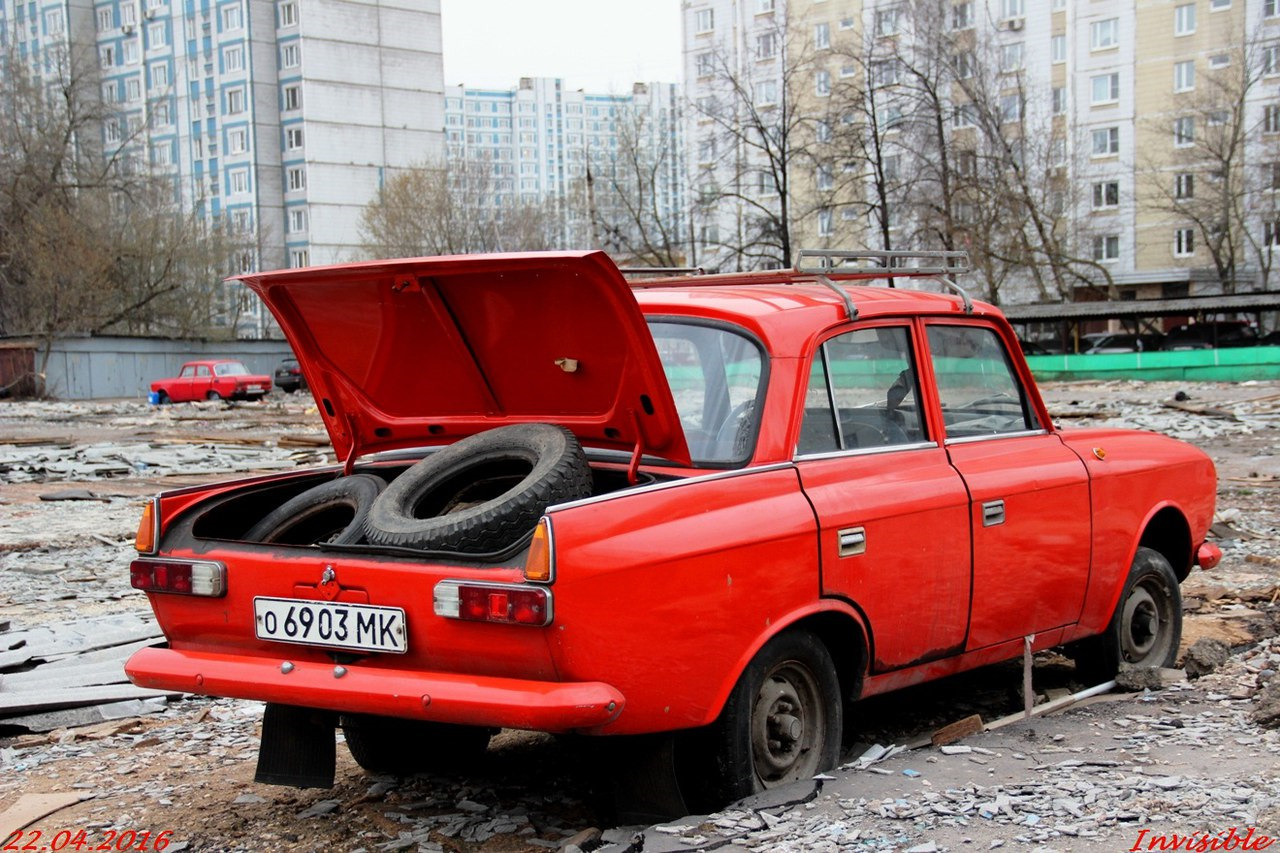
1145,629
782,722
213,395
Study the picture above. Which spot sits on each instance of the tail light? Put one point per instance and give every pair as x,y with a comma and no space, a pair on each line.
184,577
148,529
502,603
540,564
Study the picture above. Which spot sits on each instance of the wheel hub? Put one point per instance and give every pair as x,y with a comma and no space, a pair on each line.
1142,620
785,724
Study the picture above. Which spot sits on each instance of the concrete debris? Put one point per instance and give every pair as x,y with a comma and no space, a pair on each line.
105,461
1267,712
1139,678
1204,656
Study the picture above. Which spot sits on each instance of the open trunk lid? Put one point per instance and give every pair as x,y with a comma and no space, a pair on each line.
425,351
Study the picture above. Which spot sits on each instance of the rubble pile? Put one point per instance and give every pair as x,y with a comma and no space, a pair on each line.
102,461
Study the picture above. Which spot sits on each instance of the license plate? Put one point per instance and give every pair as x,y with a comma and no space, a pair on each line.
361,627
255,387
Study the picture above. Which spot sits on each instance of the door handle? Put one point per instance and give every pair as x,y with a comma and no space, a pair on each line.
992,513
853,541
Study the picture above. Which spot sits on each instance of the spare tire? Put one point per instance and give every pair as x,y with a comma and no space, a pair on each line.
333,512
483,493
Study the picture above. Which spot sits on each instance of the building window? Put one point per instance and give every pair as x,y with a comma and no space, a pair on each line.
1010,107
825,179
239,181
1184,185
162,154
1218,5
160,115
1058,49
235,101
292,97
1106,141
110,92
1106,194
111,128
1270,8
297,178
237,140
964,64
1271,233
1011,57
288,13
822,83
1271,59
885,72
293,138
297,220
704,64
130,52
1184,131
1184,19
1106,248
107,56
1184,242
704,20
1104,34
822,36
106,20
1105,88
233,58
157,36
964,116
54,23
1221,60
1271,119
231,18
159,76
289,56
824,222
1059,100
766,92
298,258
962,15
1184,76
1272,173
133,89
764,7
766,46
886,22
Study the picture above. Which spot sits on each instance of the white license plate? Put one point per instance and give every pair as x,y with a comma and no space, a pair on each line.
362,627
255,387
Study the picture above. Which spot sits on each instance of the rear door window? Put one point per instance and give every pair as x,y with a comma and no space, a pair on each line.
977,385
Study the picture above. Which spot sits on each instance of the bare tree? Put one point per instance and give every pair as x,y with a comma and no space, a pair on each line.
446,209
92,239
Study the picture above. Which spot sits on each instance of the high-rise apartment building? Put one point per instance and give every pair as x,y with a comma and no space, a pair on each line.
278,118
540,141
1125,147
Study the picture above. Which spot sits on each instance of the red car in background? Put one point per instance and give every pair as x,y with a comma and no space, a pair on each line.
215,379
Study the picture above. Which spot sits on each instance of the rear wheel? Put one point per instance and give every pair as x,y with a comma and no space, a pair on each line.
1146,627
404,747
782,722
213,395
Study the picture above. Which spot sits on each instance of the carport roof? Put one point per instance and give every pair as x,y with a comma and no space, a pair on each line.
1218,304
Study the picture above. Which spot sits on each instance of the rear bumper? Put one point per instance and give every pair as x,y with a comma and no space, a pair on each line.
443,697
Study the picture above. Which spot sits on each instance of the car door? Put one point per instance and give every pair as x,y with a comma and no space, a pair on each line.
202,382
892,511
180,391
1029,494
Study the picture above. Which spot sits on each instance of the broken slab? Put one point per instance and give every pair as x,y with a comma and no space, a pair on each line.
32,807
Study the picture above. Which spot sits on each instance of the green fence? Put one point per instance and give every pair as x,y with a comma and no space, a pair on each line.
1210,365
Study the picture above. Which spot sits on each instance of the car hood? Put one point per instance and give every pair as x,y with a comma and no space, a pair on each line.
425,351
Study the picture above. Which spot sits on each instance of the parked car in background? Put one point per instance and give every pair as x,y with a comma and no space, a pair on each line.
1214,334
1099,343
714,511
213,379
288,376
1034,348
1270,339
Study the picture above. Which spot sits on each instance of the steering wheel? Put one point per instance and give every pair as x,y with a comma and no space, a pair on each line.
733,430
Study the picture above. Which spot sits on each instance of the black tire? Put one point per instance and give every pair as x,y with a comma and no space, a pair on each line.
333,512
405,747
782,723
1145,629
163,399
213,395
483,493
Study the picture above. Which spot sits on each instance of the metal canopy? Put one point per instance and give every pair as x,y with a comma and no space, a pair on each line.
1101,310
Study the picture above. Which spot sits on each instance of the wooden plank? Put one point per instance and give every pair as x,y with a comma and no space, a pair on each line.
32,807
12,704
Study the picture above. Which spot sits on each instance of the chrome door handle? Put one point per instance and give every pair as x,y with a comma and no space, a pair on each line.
992,513
853,541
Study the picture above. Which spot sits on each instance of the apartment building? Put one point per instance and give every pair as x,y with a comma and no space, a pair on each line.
1144,134
278,118
541,140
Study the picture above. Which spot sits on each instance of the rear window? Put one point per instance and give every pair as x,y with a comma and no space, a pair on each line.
716,377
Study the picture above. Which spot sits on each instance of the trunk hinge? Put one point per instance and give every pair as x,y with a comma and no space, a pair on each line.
349,464
634,467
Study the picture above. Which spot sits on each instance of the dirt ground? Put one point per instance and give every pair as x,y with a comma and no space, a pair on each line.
188,769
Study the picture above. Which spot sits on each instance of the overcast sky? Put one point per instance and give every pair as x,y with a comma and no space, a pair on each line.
597,45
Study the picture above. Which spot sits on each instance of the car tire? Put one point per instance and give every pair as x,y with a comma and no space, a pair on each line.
331,513
213,395
781,724
162,399
404,747
482,494
1145,629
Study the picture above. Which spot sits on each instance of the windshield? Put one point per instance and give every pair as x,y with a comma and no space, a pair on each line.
230,368
715,376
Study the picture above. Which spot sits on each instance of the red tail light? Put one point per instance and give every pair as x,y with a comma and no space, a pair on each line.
507,604
184,577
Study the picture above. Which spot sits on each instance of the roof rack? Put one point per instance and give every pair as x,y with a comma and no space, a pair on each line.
832,262
628,272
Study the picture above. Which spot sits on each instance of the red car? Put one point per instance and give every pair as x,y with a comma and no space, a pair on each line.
216,379
711,510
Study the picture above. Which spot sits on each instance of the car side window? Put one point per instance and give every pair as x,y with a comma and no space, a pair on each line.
187,372
862,393
978,387
202,370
